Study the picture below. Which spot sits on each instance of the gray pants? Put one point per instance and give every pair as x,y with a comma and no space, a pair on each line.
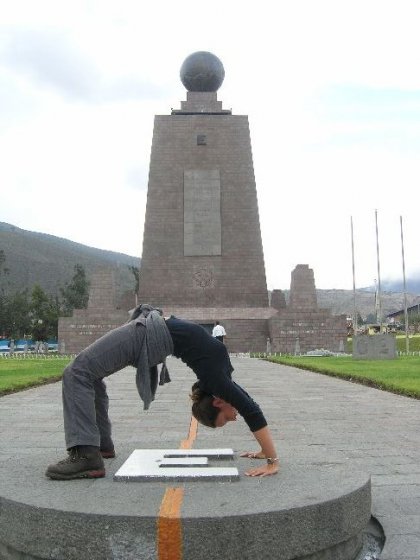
85,400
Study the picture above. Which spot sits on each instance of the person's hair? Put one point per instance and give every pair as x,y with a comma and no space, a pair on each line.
202,408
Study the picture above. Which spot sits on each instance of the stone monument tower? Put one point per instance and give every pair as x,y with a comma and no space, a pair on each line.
202,256
202,244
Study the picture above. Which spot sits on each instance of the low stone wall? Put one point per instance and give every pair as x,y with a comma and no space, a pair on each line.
293,331
83,328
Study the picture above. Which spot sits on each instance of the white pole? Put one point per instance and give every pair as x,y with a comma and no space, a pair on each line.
379,318
375,282
354,280
407,340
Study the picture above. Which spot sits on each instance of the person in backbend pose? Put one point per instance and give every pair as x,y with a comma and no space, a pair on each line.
144,342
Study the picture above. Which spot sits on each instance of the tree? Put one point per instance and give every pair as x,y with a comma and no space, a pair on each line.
76,293
371,319
136,273
15,316
38,315
18,318
45,311
4,271
4,300
3,314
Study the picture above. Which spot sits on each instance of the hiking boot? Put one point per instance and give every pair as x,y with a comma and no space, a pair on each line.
107,448
108,453
78,464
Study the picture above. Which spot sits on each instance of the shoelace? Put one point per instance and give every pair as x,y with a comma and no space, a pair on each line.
73,456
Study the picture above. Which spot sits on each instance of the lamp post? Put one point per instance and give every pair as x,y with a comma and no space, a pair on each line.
354,280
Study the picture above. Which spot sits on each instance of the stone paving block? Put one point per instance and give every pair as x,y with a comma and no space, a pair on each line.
401,547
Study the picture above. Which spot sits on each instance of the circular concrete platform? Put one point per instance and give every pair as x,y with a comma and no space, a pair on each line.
303,512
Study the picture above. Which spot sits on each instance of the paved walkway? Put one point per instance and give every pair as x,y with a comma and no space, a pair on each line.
317,422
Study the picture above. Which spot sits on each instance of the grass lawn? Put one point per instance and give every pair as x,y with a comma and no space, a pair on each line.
413,343
19,374
401,376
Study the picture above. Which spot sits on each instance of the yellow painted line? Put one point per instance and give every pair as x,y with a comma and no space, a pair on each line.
192,434
169,534
169,526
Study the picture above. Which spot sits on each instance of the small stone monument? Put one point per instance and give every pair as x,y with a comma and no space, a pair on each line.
374,347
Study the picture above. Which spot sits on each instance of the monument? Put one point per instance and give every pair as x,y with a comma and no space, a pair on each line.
301,325
202,248
104,312
202,253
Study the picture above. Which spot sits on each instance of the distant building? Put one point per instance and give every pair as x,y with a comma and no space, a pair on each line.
398,316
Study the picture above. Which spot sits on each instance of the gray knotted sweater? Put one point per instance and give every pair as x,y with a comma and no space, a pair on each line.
158,345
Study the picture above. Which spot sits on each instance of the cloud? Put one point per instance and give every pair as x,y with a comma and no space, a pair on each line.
137,177
16,105
330,89
52,58
371,109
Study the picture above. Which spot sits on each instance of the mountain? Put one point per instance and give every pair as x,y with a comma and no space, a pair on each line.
412,286
343,301
38,258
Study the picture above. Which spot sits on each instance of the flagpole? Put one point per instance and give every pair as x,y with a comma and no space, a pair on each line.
407,341
354,280
379,314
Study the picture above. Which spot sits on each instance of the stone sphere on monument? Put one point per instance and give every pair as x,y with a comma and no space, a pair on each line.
202,71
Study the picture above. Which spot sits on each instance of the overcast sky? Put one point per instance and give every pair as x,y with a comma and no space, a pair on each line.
331,88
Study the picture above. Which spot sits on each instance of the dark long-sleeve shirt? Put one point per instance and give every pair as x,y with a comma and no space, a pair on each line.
209,360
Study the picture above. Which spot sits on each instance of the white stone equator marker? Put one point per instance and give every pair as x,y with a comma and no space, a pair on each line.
145,465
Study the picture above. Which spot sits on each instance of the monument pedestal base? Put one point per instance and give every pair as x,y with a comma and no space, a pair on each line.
303,512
